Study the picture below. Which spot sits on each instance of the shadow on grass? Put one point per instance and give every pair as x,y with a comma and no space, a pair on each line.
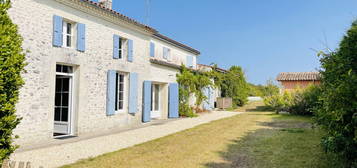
283,143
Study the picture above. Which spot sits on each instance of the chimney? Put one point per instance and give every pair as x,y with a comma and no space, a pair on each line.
106,3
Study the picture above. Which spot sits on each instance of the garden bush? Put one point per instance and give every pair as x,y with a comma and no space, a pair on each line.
11,65
338,111
279,102
305,101
299,102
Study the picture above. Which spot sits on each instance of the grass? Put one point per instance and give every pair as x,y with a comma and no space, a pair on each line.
252,139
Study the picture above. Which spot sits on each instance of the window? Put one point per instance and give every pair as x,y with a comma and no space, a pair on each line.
166,53
119,91
68,28
123,43
64,69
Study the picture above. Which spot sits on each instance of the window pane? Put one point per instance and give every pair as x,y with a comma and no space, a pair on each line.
58,84
65,99
121,104
121,78
57,114
121,96
65,84
69,41
58,68
120,53
69,28
120,43
121,87
58,99
116,91
64,116
157,87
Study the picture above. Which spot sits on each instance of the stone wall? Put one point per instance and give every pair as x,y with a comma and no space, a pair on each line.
36,104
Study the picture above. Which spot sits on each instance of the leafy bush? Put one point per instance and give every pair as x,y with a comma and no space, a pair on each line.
305,101
338,111
279,102
11,65
299,102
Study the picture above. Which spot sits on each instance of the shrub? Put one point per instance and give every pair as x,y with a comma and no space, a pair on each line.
11,65
305,101
338,112
299,102
279,102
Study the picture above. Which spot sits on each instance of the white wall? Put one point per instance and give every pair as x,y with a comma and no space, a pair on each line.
36,104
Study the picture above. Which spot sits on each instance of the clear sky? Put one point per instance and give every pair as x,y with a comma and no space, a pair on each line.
264,37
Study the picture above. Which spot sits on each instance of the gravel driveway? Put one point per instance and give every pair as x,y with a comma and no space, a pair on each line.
62,154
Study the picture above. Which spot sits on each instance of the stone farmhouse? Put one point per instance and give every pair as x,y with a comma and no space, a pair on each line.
91,70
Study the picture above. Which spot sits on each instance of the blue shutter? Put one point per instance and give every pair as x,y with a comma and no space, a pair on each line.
111,92
173,100
165,53
130,50
147,101
81,37
189,61
152,49
133,93
116,39
57,31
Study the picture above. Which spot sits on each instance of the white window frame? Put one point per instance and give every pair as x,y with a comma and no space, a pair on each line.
168,54
123,47
65,33
125,91
72,102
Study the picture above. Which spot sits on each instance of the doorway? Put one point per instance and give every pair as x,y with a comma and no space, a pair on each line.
63,101
155,103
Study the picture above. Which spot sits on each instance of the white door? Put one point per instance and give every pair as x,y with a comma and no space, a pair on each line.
63,105
155,97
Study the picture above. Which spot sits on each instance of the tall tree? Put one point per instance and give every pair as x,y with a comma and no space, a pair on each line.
338,111
12,64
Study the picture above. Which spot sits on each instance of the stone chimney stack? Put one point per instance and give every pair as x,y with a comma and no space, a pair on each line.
106,3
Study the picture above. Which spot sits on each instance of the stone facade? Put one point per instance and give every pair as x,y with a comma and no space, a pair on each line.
36,105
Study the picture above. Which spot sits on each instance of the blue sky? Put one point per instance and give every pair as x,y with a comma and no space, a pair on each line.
264,37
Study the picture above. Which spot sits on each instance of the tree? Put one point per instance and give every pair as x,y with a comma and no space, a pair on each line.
235,86
338,111
12,64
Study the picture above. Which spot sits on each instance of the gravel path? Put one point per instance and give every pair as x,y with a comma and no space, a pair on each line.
58,155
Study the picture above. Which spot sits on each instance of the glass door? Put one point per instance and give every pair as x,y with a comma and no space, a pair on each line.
155,97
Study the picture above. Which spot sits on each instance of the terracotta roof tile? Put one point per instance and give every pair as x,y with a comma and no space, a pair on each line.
298,76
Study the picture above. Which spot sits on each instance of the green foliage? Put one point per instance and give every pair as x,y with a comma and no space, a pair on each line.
279,102
299,102
263,90
338,111
191,83
235,86
11,65
306,101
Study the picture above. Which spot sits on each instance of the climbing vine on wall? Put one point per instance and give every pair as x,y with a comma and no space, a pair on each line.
191,84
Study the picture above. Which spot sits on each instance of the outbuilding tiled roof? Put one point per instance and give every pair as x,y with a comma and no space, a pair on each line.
298,76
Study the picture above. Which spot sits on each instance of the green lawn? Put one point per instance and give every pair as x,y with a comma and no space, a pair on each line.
253,139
